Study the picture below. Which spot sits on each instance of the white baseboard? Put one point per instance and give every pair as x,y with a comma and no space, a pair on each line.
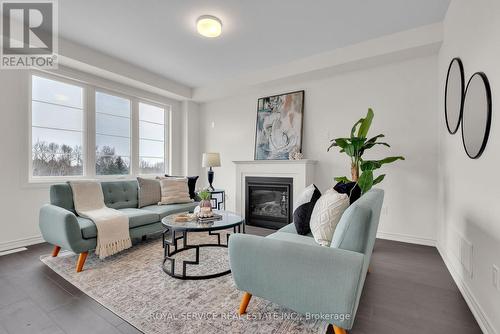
474,306
7,245
406,238
14,250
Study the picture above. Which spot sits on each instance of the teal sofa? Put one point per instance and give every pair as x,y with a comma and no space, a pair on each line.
294,271
62,227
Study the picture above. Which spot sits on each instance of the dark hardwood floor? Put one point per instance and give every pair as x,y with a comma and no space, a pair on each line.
408,291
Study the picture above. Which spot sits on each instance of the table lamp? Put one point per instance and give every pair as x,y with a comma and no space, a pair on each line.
211,160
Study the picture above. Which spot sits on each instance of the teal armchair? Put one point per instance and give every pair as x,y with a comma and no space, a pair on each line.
294,271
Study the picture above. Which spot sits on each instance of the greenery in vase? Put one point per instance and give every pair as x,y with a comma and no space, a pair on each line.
355,146
204,195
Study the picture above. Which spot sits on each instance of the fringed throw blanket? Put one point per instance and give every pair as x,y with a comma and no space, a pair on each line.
112,226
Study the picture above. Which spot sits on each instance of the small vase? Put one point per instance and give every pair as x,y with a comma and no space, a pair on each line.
206,204
206,208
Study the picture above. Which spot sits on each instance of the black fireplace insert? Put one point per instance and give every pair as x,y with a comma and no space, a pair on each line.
268,201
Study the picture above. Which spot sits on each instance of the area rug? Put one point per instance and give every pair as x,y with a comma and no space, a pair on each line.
133,285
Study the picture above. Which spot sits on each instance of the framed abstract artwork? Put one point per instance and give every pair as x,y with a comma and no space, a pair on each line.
279,126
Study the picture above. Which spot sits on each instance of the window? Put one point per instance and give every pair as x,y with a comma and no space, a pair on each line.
151,139
112,129
115,135
57,128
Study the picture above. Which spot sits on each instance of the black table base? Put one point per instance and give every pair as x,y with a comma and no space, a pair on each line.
172,243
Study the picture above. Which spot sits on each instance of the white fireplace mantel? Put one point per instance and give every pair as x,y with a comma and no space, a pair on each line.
301,171
276,162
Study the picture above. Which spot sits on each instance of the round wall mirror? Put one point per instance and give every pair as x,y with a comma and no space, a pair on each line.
476,118
454,95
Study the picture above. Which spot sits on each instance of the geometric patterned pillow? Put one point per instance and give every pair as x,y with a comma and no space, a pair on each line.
326,215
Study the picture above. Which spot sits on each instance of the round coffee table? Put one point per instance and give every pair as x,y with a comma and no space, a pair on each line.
180,230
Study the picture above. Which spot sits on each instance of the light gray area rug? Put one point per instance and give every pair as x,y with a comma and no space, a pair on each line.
132,285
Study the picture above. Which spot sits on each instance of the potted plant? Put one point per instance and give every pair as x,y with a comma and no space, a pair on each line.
205,203
355,146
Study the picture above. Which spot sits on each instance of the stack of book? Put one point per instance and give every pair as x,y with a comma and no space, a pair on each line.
210,219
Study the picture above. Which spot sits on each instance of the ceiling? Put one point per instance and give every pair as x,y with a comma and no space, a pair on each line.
160,35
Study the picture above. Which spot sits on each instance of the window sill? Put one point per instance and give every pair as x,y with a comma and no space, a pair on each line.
42,183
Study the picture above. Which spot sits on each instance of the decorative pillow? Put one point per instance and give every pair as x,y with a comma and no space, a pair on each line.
149,192
304,207
326,215
191,184
351,189
174,190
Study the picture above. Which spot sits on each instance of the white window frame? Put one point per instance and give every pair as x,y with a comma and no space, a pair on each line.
166,130
131,152
34,179
89,131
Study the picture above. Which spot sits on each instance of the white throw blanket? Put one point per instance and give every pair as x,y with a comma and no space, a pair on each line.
112,226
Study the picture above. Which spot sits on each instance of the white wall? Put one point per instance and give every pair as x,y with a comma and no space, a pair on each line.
469,189
20,201
18,204
191,138
403,95
418,42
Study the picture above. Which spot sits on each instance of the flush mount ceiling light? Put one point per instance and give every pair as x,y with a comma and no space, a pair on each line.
209,26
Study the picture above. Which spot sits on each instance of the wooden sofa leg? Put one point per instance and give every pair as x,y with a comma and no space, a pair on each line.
369,270
55,251
81,261
244,303
338,330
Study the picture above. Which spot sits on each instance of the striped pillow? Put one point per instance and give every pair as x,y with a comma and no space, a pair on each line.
174,190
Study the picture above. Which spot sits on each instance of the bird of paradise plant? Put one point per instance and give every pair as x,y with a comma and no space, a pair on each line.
355,146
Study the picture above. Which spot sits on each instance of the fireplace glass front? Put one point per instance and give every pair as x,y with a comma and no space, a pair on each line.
268,201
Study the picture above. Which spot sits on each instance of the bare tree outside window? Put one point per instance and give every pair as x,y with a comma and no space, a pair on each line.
54,160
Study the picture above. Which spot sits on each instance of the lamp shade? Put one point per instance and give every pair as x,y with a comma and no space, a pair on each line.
211,160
